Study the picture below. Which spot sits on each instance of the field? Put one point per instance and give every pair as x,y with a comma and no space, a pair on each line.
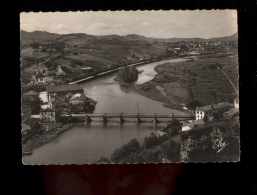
85,51
200,80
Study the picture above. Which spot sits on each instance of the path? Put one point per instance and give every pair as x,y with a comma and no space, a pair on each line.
229,79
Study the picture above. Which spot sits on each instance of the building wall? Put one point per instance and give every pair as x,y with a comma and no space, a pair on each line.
186,128
26,113
45,79
48,117
236,103
199,115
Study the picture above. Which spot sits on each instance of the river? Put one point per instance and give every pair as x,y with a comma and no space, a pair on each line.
84,144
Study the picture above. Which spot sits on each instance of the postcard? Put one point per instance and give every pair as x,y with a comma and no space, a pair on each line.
119,87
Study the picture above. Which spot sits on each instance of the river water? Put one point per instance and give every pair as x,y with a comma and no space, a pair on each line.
84,144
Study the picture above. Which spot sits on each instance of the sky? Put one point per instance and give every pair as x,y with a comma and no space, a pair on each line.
158,24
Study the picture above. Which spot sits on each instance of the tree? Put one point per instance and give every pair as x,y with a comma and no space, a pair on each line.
193,104
217,115
206,119
103,160
175,122
125,151
133,145
35,45
151,141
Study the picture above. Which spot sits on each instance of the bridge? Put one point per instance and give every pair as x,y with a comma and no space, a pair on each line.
122,116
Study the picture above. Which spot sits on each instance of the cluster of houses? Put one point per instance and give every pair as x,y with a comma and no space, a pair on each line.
60,100
228,110
52,77
200,45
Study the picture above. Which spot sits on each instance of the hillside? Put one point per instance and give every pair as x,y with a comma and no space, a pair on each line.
233,37
37,36
45,51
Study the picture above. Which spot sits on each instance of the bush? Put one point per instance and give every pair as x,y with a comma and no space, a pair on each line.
151,141
193,104
103,160
125,151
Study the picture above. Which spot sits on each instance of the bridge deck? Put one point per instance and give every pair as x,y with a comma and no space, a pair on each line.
129,115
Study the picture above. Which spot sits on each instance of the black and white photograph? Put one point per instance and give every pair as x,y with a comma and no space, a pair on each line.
129,87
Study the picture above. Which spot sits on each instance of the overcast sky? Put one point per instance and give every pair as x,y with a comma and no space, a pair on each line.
159,24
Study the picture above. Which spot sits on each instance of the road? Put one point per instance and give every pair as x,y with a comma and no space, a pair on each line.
229,79
115,70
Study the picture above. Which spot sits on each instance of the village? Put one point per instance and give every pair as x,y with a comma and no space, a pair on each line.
40,112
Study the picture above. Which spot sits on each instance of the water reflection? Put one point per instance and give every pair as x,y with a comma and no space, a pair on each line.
126,88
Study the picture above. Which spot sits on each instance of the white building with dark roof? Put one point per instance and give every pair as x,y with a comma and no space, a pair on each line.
200,112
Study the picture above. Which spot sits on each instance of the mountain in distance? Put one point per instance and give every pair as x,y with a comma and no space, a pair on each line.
37,36
76,38
233,37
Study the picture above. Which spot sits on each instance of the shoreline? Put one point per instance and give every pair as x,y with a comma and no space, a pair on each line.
40,139
152,90
180,85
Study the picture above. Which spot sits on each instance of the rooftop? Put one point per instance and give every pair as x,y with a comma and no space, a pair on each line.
47,110
62,88
225,104
199,122
232,111
27,98
208,107
32,122
24,107
31,93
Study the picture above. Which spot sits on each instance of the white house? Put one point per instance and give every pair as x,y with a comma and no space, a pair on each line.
236,103
187,126
200,112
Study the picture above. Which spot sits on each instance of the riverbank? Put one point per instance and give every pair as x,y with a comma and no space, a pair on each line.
113,70
178,83
160,146
39,139
172,95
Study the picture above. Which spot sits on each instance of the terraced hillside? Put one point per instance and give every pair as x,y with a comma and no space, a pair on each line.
201,80
79,51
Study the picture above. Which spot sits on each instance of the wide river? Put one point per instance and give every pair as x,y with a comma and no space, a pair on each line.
84,144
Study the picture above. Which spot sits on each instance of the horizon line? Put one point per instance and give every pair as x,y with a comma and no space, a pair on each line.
131,34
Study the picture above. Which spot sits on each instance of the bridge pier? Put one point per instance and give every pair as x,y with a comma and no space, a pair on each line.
138,120
88,119
104,119
155,120
121,119
173,117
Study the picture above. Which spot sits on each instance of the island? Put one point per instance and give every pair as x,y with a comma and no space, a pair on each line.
127,75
